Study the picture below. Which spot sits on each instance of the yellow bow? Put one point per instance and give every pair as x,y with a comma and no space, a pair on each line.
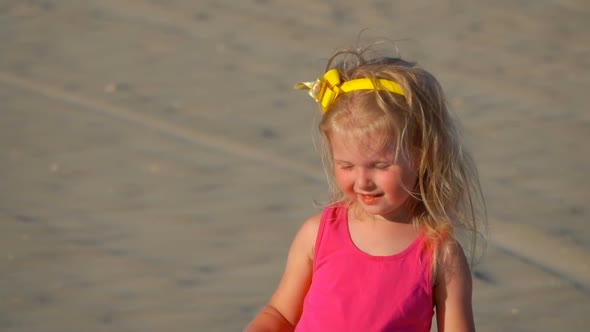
327,88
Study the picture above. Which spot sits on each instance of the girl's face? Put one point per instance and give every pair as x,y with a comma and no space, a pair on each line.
368,175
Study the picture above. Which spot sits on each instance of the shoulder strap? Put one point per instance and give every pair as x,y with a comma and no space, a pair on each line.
329,215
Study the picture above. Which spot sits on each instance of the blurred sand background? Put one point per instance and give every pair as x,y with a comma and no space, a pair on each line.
155,162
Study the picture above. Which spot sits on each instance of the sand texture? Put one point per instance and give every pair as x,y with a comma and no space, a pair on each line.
155,162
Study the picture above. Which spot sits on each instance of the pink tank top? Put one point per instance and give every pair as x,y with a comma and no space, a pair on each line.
354,291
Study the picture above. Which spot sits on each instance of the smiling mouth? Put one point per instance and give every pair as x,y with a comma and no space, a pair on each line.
369,199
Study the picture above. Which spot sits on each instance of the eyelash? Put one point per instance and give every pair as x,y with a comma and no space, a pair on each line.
376,166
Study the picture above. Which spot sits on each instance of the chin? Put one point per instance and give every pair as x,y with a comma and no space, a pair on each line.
374,209
386,212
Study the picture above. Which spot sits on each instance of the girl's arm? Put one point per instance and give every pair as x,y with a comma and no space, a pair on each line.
285,306
452,292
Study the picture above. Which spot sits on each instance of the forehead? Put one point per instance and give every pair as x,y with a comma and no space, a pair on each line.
345,146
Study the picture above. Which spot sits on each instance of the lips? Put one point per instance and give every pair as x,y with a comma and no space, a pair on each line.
370,199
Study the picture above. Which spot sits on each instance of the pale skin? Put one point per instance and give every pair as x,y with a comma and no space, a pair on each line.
379,222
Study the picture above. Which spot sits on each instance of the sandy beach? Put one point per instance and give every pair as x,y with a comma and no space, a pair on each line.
156,162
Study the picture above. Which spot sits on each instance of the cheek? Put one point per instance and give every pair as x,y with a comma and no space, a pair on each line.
400,180
343,179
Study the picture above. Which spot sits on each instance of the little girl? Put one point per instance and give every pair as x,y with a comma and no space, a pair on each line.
383,256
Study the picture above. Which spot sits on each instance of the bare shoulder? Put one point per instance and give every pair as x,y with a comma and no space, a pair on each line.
453,289
453,253
452,264
307,234
313,222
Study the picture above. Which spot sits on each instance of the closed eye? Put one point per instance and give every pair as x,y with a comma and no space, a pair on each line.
382,165
344,165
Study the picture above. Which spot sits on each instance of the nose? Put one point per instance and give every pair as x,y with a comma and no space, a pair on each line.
364,180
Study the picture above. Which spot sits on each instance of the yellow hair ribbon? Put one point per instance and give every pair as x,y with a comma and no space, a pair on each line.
327,88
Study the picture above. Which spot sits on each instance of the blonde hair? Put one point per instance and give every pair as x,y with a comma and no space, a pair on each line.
448,196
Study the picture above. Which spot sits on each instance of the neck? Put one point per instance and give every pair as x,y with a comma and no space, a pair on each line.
403,217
